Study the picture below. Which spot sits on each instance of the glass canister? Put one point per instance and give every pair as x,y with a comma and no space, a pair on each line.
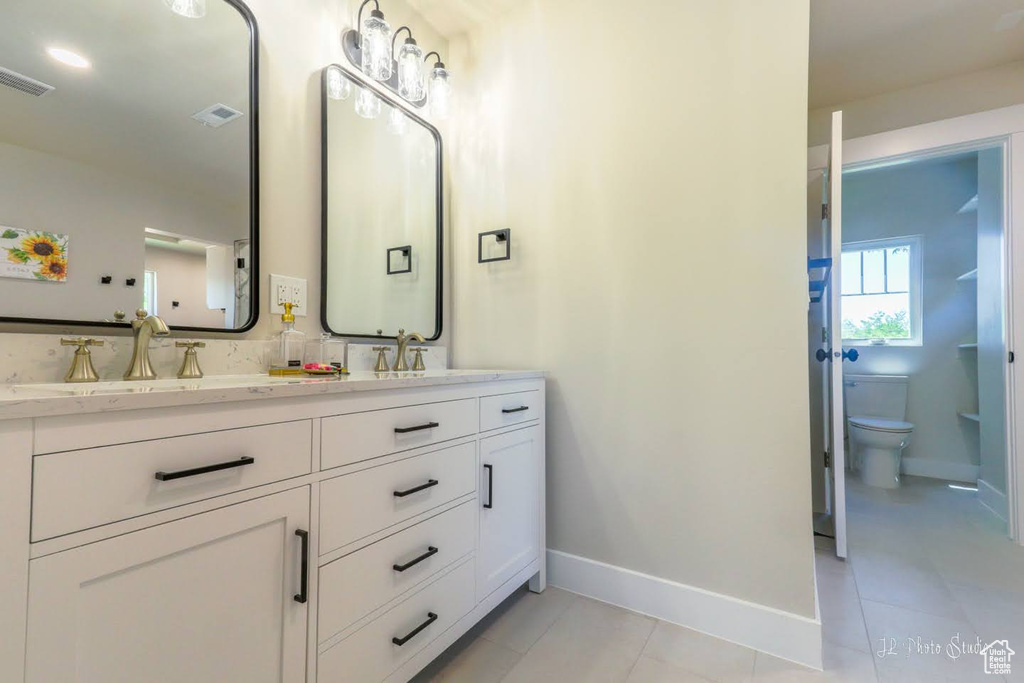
327,350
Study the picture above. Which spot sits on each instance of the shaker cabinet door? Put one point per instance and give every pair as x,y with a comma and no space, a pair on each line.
206,599
510,503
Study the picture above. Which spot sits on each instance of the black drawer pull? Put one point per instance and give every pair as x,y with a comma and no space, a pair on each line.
167,476
406,430
431,618
490,486
416,489
303,594
515,410
431,550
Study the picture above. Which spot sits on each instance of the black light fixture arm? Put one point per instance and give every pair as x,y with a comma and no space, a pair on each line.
395,37
359,17
436,64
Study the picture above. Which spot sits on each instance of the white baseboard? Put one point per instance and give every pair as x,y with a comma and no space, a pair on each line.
939,469
992,499
782,634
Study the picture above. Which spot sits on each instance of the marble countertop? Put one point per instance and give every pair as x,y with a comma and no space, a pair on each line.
40,400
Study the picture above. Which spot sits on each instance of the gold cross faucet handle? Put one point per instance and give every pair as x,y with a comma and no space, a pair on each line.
82,369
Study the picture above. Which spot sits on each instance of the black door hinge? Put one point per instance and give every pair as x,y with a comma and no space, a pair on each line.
1010,356
824,212
828,460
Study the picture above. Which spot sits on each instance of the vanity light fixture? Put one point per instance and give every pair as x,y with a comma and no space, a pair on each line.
371,47
440,97
409,64
68,58
368,105
338,87
374,43
190,9
397,121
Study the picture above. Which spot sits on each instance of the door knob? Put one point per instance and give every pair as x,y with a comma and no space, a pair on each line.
852,355
821,355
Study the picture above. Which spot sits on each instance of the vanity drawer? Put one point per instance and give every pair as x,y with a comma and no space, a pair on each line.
355,585
360,436
76,490
356,505
509,409
370,654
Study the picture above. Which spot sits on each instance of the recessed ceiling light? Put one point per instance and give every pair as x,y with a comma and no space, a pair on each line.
68,57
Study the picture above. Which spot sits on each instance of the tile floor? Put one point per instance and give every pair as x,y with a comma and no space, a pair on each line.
925,561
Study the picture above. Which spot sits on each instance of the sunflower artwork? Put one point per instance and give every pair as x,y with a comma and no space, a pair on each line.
33,255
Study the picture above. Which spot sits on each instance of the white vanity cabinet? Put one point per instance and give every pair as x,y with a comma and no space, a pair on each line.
213,597
321,533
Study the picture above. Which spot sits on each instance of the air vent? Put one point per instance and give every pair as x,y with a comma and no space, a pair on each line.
216,115
13,79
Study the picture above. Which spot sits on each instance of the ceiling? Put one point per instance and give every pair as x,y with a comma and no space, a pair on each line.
861,48
130,111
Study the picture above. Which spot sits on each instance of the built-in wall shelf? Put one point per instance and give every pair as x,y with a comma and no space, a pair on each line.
973,417
968,276
968,347
970,205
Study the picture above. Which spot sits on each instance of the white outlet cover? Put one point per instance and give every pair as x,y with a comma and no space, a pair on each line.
292,284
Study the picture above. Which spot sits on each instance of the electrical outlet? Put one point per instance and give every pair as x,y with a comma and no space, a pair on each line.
284,289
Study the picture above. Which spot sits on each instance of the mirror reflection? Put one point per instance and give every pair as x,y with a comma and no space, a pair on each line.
125,162
382,223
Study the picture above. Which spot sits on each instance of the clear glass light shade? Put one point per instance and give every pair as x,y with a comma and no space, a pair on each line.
367,104
338,87
193,9
397,122
376,48
410,72
440,93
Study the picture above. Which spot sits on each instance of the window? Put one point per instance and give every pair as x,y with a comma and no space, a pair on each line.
881,292
149,292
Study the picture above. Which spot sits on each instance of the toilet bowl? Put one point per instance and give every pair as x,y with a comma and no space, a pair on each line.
877,445
876,407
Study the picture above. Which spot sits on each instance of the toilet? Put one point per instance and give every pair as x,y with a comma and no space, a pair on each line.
876,408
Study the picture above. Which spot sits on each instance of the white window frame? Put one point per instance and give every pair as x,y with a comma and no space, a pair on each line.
149,275
916,243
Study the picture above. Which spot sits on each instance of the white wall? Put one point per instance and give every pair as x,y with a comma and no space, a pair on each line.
658,274
181,277
1000,86
991,333
105,215
923,199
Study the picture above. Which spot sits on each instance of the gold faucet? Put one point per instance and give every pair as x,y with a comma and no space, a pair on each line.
403,341
143,328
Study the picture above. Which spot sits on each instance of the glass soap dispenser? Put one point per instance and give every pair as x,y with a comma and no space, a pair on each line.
290,344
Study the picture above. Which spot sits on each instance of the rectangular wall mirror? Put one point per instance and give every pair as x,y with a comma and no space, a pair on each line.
128,162
382,225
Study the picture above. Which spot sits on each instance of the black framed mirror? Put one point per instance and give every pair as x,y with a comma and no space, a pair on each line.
382,242
129,163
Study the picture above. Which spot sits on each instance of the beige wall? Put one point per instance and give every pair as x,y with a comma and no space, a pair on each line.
657,210
1000,86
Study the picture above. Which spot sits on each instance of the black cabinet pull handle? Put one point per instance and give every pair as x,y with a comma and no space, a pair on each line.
303,594
431,550
416,489
490,486
515,410
406,430
167,476
431,618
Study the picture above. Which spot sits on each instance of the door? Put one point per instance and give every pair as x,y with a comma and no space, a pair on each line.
832,227
206,599
509,507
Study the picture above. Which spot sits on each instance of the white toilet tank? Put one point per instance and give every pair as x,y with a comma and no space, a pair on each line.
883,396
